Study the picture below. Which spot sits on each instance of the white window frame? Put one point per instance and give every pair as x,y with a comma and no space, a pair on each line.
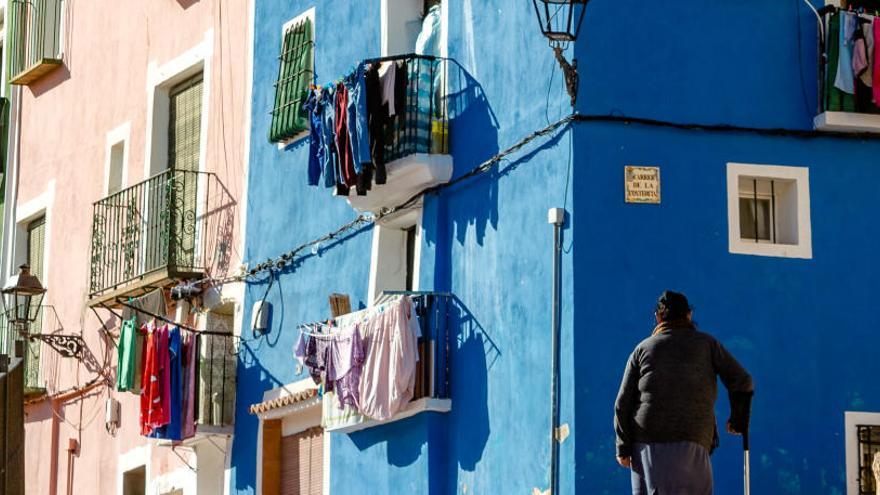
800,175
121,134
294,418
382,251
308,14
160,80
852,419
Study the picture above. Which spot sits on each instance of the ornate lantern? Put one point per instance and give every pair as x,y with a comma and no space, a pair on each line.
560,22
21,299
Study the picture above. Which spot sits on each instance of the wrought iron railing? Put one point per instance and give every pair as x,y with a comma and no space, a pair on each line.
421,126
36,38
215,387
163,227
40,364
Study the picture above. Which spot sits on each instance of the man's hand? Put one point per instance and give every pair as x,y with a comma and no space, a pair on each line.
625,462
732,430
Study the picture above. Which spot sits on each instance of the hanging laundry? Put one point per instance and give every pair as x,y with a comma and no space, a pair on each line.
377,113
867,29
835,99
155,395
844,78
171,396
357,119
343,145
334,417
388,376
126,366
346,357
875,84
190,350
388,79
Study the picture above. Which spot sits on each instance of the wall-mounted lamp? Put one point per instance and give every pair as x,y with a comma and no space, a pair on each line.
22,298
560,22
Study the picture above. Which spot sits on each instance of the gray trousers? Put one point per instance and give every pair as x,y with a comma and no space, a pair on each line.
679,468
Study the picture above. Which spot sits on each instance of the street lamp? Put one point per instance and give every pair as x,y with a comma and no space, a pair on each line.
20,292
22,298
560,22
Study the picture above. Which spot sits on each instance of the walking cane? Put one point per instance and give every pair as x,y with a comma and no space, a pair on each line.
744,400
746,482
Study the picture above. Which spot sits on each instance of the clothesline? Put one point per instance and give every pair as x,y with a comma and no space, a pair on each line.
170,321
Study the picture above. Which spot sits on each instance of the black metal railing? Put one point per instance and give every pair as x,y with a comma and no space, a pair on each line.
421,125
216,378
35,37
40,365
165,225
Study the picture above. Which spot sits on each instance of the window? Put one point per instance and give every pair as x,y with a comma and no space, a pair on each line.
869,450
134,482
295,73
36,243
395,255
769,210
36,39
302,463
185,124
217,369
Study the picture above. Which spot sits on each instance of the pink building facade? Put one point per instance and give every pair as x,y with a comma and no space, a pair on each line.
125,175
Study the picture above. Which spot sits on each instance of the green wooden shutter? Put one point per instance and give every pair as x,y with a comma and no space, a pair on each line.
295,73
36,247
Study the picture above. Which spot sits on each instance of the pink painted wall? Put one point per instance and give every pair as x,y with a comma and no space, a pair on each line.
66,115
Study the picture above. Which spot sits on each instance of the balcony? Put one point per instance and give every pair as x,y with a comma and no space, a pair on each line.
431,392
35,39
175,225
415,150
839,110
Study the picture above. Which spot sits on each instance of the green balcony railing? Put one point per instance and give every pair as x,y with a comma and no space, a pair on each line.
157,231
35,39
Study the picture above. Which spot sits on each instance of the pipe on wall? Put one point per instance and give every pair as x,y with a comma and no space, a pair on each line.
556,217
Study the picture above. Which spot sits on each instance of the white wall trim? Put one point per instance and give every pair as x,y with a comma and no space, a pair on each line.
248,120
26,212
121,134
159,80
804,248
378,253
134,458
851,420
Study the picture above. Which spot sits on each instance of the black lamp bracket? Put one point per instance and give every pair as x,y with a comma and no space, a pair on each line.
70,346
569,70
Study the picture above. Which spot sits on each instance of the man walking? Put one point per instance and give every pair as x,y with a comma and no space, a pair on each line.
665,410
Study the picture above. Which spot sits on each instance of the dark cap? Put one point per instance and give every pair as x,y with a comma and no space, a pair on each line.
672,306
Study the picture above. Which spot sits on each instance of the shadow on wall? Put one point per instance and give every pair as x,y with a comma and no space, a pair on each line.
474,353
473,140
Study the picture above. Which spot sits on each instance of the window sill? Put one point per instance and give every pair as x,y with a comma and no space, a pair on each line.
771,250
283,144
204,433
415,407
35,72
847,122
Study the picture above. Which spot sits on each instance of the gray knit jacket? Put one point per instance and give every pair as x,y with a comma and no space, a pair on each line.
669,389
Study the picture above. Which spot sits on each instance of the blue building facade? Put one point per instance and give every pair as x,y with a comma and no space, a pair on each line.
720,97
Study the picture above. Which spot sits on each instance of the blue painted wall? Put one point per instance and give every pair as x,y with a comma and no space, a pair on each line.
487,241
800,326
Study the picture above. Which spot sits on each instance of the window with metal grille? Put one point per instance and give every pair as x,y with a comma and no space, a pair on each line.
36,247
869,446
295,73
302,463
768,210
